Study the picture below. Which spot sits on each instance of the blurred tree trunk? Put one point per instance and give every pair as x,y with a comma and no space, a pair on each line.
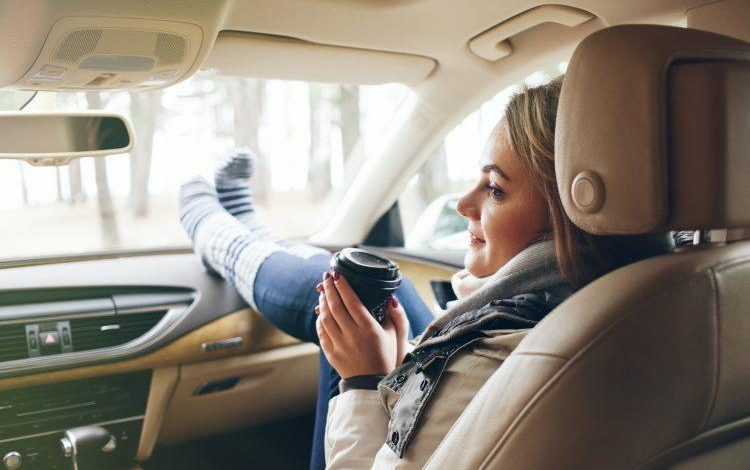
74,181
433,177
247,97
349,113
58,180
110,233
24,188
319,172
145,109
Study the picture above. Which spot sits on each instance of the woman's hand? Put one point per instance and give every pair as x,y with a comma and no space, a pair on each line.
353,342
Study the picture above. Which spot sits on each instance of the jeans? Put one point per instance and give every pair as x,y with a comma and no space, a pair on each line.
284,292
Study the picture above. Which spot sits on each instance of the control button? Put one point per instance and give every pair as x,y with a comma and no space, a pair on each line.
394,437
12,460
423,385
50,342
400,378
50,339
51,71
32,340
63,328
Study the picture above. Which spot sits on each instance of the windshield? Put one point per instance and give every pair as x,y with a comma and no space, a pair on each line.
14,99
310,140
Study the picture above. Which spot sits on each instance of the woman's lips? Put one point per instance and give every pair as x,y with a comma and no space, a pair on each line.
475,240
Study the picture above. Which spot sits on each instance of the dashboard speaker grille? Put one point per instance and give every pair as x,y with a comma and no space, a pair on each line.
104,332
13,342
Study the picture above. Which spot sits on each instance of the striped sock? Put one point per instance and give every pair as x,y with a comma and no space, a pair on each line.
683,237
223,243
232,179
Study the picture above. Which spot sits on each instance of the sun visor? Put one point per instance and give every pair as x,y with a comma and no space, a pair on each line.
274,57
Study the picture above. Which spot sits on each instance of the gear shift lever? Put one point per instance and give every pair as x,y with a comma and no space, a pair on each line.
88,447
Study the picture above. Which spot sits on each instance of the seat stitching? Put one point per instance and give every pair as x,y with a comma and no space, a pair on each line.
554,356
741,423
717,351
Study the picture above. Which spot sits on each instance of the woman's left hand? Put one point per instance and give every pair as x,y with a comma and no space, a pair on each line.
353,342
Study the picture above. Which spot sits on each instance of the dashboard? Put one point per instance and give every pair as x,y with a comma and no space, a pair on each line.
101,359
129,353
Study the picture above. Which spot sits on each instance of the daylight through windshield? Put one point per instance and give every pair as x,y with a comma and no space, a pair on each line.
310,140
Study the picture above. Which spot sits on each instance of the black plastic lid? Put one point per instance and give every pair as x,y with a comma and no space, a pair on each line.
366,267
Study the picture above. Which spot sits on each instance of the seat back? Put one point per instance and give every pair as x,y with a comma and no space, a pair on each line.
646,367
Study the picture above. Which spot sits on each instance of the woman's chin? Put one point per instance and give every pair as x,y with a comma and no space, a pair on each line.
474,263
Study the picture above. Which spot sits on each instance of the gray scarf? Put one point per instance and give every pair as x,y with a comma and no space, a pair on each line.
534,269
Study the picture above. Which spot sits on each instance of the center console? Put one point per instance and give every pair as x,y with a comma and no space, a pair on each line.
39,425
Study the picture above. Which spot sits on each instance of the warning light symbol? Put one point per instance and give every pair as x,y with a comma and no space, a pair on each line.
50,339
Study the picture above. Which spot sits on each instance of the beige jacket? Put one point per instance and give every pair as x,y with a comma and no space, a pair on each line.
357,421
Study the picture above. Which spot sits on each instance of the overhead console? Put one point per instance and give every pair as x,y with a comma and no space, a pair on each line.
94,53
97,326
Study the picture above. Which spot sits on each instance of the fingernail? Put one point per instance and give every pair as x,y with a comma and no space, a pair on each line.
336,275
394,301
317,310
327,275
319,287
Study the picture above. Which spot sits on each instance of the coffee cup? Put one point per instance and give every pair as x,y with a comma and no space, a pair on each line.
372,277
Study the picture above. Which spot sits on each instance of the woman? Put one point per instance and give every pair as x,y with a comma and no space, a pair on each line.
398,401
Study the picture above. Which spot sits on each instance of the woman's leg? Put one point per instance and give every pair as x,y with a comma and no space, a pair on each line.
277,277
285,292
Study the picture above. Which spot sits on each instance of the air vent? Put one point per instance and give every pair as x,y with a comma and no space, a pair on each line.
105,332
12,343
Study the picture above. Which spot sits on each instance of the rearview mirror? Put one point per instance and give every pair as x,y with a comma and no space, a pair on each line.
49,139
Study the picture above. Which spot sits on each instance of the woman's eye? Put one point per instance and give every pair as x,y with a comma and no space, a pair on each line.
495,191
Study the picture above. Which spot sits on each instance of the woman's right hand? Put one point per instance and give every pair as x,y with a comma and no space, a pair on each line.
354,343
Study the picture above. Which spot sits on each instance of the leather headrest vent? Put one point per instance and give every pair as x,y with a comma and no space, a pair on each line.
653,131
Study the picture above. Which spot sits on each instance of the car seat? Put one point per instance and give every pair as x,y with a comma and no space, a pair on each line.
649,365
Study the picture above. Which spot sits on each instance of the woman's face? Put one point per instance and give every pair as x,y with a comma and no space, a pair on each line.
505,212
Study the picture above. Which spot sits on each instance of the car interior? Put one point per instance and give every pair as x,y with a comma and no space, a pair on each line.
142,354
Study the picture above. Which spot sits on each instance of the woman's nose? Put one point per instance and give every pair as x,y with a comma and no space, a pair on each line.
466,206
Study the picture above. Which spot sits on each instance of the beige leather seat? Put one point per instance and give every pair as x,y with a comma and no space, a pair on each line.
649,366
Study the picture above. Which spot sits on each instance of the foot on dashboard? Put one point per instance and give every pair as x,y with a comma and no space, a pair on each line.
232,178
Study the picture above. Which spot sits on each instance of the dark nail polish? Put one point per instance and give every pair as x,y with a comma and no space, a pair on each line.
394,301
336,275
327,275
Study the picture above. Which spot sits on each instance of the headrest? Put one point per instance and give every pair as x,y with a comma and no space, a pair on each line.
653,131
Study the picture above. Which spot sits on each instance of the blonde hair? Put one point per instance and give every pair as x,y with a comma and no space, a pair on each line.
582,257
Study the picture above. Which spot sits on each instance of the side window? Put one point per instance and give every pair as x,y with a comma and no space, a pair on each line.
428,204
